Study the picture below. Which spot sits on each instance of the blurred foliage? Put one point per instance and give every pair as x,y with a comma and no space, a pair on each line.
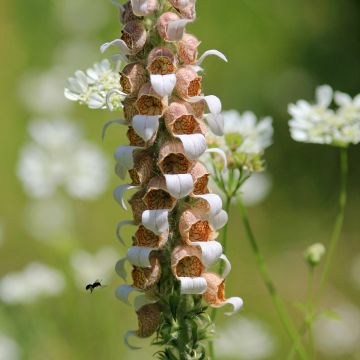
278,52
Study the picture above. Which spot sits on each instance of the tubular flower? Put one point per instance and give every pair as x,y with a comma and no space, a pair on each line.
176,217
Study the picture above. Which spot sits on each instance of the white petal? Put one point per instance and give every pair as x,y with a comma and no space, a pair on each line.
145,126
163,84
156,220
342,99
139,255
227,266
139,7
124,157
211,251
211,52
214,202
324,95
143,300
176,28
195,285
120,225
108,123
194,145
179,185
123,292
120,268
126,339
219,220
119,193
212,101
111,93
216,123
196,68
236,302
118,43
220,152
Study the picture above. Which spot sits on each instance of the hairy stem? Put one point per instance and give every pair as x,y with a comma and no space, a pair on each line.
275,297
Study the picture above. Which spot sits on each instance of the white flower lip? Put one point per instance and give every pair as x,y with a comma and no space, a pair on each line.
219,220
194,145
129,334
139,255
192,285
179,185
146,126
123,292
211,251
163,84
108,123
142,300
119,193
120,44
236,303
211,52
120,268
125,159
176,29
156,220
214,203
119,226
227,266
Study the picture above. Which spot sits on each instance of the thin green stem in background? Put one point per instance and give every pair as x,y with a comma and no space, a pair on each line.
338,223
276,299
310,311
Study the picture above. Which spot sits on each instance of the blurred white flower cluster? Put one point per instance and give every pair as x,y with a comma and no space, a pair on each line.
245,140
88,268
58,156
9,348
98,87
247,339
35,281
318,123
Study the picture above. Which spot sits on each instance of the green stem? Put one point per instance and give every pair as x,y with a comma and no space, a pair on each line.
310,311
276,299
338,223
221,269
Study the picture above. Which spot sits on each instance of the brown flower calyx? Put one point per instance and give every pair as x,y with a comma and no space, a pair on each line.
127,13
162,24
143,170
157,197
186,261
147,278
149,317
134,35
188,83
188,49
149,102
161,61
215,292
137,205
200,176
145,237
134,138
129,108
132,78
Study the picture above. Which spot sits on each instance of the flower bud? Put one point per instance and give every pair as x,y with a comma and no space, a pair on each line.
188,49
132,78
188,83
149,317
134,35
161,61
162,24
314,254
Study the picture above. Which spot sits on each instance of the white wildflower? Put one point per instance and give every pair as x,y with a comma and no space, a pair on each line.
318,123
247,339
90,267
35,281
93,87
58,156
339,336
9,348
256,189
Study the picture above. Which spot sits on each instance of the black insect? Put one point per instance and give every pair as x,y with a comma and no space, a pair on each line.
93,286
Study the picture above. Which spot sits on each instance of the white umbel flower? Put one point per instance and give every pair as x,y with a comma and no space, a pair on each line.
35,281
9,348
318,123
254,136
93,87
59,157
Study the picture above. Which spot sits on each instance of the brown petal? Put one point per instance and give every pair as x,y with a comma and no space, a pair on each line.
132,78
149,102
145,237
194,226
143,168
137,205
200,176
215,292
149,317
129,108
188,83
146,278
127,13
185,261
134,35
157,196
134,138
163,22
161,61
172,159
189,12
188,49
